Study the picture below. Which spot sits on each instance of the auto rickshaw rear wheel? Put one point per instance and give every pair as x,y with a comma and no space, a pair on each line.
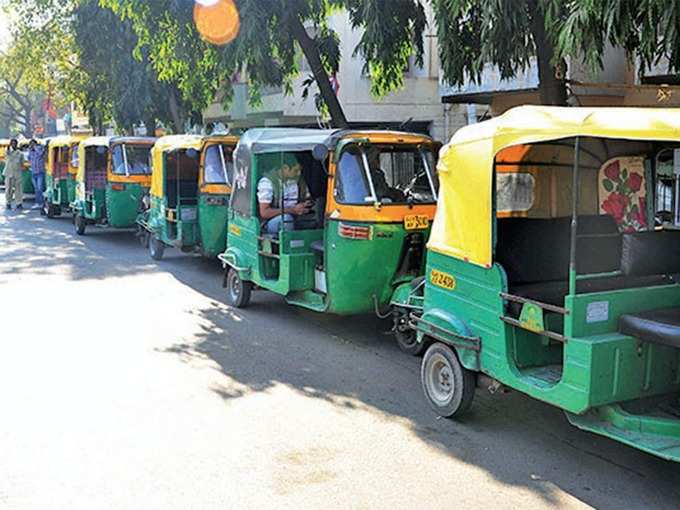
80,224
238,290
156,247
51,210
448,386
406,338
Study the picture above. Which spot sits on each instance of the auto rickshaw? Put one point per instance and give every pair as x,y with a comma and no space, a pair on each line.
113,177
371,197
190,189
546,274
60,177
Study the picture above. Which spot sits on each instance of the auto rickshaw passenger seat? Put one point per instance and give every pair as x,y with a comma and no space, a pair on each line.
655,326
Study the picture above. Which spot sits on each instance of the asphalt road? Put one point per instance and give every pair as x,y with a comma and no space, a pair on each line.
126,383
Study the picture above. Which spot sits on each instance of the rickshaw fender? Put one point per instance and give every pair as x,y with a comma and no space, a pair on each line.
454,332
401,294
235,258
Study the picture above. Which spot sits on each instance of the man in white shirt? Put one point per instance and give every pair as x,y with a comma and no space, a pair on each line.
282,195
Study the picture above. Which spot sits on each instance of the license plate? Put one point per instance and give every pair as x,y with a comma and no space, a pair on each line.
416,222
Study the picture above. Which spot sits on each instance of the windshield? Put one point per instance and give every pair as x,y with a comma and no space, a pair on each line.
389,174
219,165
131,159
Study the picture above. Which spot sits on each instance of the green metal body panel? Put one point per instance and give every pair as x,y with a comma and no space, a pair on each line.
212,223
2,172
595,369
71,188
115,208
27,181
360,274
56,191
183,233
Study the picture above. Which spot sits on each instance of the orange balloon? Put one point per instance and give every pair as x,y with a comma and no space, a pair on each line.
218,23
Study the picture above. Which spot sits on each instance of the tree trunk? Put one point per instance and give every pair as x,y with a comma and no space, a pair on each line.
311,52
175,112
551,87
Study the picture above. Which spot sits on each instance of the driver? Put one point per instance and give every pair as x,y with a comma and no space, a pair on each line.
382,188
282,183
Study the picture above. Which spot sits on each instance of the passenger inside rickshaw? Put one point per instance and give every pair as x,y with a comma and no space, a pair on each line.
181,177
291,192
96,159
617,244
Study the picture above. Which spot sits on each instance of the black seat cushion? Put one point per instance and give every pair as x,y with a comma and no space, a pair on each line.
653,252
553,293
656,326
537,250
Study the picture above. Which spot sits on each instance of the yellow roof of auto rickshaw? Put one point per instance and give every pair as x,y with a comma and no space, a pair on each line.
96,141
225,138
64,140
175,142
463,222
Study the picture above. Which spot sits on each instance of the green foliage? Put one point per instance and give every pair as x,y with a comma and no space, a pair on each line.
648,30
393,33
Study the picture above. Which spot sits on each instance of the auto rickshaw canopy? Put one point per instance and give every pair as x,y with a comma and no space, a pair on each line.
164,145
467,164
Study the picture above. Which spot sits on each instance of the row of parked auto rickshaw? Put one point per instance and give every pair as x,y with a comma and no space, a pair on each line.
551,267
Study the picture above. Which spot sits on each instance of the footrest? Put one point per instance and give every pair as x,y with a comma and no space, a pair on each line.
656,326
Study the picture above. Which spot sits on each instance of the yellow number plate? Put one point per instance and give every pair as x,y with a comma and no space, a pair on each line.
235,230
443,280
416,222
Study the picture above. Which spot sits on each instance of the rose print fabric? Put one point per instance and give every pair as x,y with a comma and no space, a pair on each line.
623,193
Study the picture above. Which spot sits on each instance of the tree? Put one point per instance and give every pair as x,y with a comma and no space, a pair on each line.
648,30
506,34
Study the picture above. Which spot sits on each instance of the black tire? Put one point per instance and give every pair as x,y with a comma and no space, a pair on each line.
156,247
406,338
238,290
49,209
448,386
80,224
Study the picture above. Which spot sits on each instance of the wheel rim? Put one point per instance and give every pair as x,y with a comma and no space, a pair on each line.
235,286
439,379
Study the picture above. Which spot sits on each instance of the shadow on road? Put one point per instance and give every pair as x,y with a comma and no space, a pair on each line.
354,365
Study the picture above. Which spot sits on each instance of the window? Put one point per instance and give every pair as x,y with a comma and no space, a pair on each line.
131,160
388,174
514,192
219,166
74,156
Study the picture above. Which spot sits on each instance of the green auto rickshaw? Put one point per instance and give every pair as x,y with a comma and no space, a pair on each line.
60,175
190,188
546,273
368,198
113,177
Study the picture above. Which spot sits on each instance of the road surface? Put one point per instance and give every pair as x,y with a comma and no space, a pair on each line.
127,383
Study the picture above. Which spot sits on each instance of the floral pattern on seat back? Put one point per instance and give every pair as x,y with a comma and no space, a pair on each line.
622,192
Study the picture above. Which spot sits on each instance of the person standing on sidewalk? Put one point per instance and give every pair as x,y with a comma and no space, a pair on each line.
36,156
14,163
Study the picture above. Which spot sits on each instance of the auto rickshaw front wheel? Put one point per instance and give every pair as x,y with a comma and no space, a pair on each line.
80,224
238,290
156,247
51,210
448,386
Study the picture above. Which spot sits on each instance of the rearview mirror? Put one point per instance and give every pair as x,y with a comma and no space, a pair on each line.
320,152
